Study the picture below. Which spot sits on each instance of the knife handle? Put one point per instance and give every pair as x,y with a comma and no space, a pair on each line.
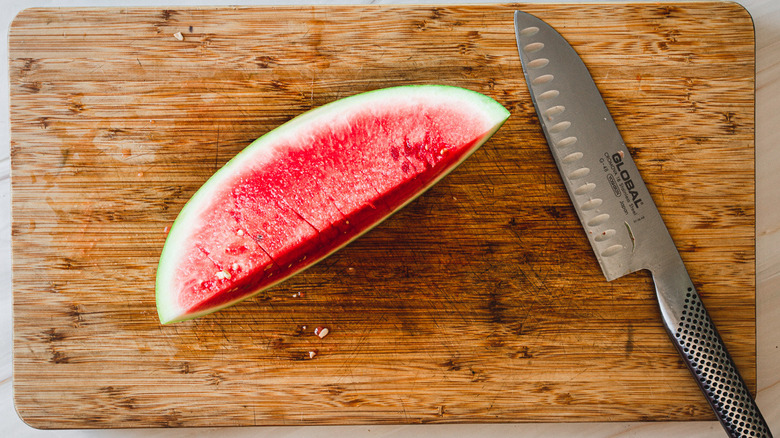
693,333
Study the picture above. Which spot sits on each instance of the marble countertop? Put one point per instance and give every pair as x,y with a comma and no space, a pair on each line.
766,16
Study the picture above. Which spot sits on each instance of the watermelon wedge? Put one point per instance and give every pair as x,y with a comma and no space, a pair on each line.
312,185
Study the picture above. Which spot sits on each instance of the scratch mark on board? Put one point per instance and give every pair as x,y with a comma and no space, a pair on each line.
216,152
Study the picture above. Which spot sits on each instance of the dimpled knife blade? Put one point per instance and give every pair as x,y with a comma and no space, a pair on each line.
620,219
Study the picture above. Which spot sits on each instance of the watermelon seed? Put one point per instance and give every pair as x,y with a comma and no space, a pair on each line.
223,275
240,232
321,332
312,354
259,237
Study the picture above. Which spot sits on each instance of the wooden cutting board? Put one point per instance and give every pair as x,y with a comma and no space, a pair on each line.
479,302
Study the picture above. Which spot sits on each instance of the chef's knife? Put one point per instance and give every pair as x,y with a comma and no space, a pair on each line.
620,219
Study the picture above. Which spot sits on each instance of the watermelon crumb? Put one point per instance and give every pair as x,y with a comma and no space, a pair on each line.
311,186
321,332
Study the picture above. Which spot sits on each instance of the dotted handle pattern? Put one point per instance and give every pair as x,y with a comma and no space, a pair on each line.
715,372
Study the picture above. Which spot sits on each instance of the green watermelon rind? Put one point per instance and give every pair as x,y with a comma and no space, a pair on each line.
167,307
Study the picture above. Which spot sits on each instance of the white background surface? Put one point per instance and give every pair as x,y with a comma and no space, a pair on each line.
766,16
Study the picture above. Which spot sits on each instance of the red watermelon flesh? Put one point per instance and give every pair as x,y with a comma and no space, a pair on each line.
312,185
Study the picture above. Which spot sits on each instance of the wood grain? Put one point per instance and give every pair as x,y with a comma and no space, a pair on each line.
479,302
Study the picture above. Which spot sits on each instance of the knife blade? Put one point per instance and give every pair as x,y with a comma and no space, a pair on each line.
621,221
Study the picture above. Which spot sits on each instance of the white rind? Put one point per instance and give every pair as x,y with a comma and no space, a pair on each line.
493,114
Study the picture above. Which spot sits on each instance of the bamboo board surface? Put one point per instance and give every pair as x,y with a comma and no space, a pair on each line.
479,302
